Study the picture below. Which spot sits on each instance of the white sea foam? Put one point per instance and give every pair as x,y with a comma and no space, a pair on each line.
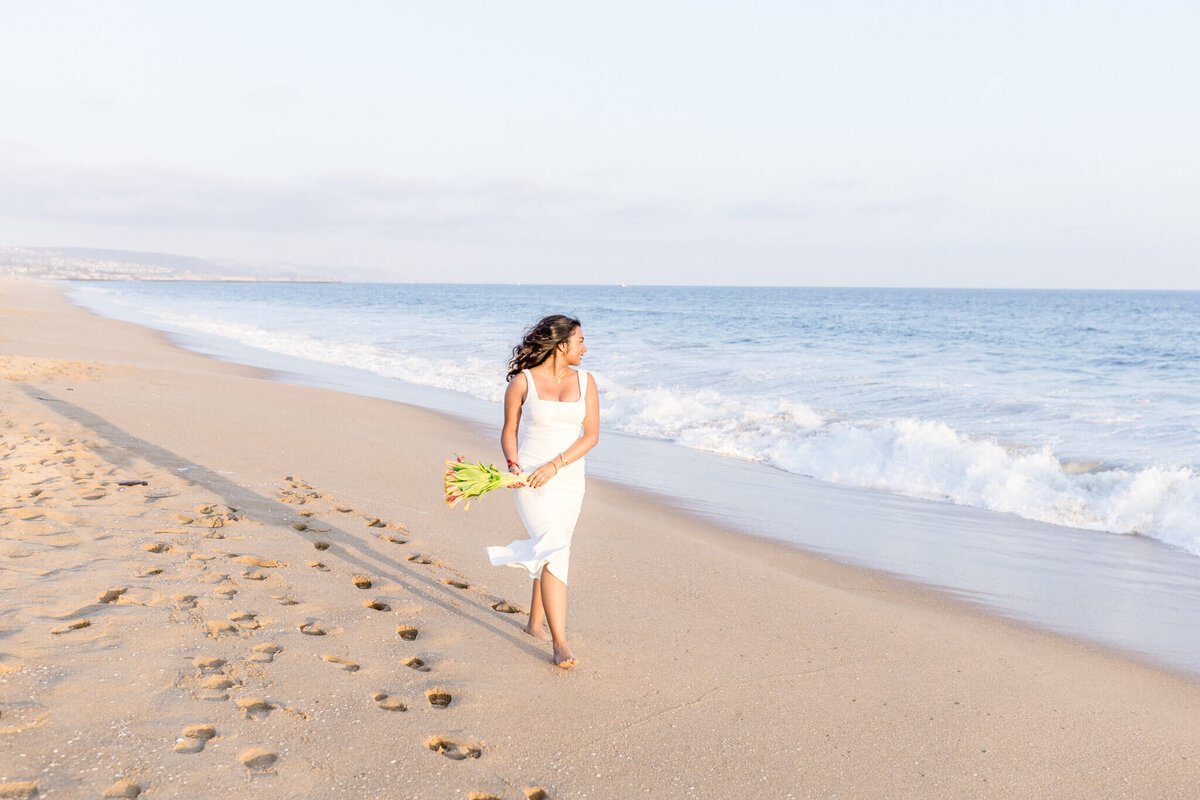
469,375
745,427
923,458
919,458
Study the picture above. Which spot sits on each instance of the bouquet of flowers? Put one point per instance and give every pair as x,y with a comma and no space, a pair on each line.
465,480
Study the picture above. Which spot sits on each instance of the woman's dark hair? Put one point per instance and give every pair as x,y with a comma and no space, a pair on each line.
539,342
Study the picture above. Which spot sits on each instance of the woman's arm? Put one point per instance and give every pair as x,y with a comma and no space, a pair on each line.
514,396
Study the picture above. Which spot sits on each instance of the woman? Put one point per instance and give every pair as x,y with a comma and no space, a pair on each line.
556,409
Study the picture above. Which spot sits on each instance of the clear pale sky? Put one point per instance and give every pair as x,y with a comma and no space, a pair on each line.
856,143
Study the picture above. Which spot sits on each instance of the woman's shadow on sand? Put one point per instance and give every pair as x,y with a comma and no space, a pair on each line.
120,443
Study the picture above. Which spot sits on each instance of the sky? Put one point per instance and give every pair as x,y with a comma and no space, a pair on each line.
856,143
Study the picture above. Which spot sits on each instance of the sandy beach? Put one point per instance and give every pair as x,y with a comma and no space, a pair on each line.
279,605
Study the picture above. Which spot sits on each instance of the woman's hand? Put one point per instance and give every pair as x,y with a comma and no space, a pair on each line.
515,469
540,475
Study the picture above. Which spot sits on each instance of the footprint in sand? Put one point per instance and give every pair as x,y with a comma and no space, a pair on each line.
208,663
254,707
457,751
312,629
184,600
255,561
146,573
291,497
376,522
214,688
416,663
125,789
294,712
284,600
254,575
71,626
438,698
319,565
111,595
294,498
18,790
217,516
377,605
456,584
227,591
300,526
256,759
361,581
219,627
156,547
482,796
246,621
265,652
387,537
388,703
420,559
536,793
505,607
407,632
338,661
21,716
321,545
194,737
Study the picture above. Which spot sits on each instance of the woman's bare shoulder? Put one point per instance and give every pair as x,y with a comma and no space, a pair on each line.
517,385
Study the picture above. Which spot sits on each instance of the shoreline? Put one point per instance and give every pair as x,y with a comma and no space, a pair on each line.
1135,594
760,666
769,546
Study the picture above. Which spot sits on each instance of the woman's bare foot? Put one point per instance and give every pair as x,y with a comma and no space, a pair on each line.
539,633
563,658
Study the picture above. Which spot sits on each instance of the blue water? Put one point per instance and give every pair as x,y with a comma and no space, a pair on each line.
1069,407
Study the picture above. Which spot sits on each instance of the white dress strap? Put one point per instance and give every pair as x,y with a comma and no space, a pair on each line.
531,387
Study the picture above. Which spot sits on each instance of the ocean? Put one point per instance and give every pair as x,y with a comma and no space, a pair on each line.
1066,421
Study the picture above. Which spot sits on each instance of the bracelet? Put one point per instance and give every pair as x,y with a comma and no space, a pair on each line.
563,456
555,467
512,464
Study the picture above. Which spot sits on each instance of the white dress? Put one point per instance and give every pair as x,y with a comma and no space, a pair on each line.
549,512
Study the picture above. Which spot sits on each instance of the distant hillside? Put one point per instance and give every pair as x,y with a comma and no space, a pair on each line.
89,263
154,260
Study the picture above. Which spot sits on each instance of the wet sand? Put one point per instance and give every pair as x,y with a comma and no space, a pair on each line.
286,609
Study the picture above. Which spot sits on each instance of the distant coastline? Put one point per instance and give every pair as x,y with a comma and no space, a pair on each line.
94,264
192,279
